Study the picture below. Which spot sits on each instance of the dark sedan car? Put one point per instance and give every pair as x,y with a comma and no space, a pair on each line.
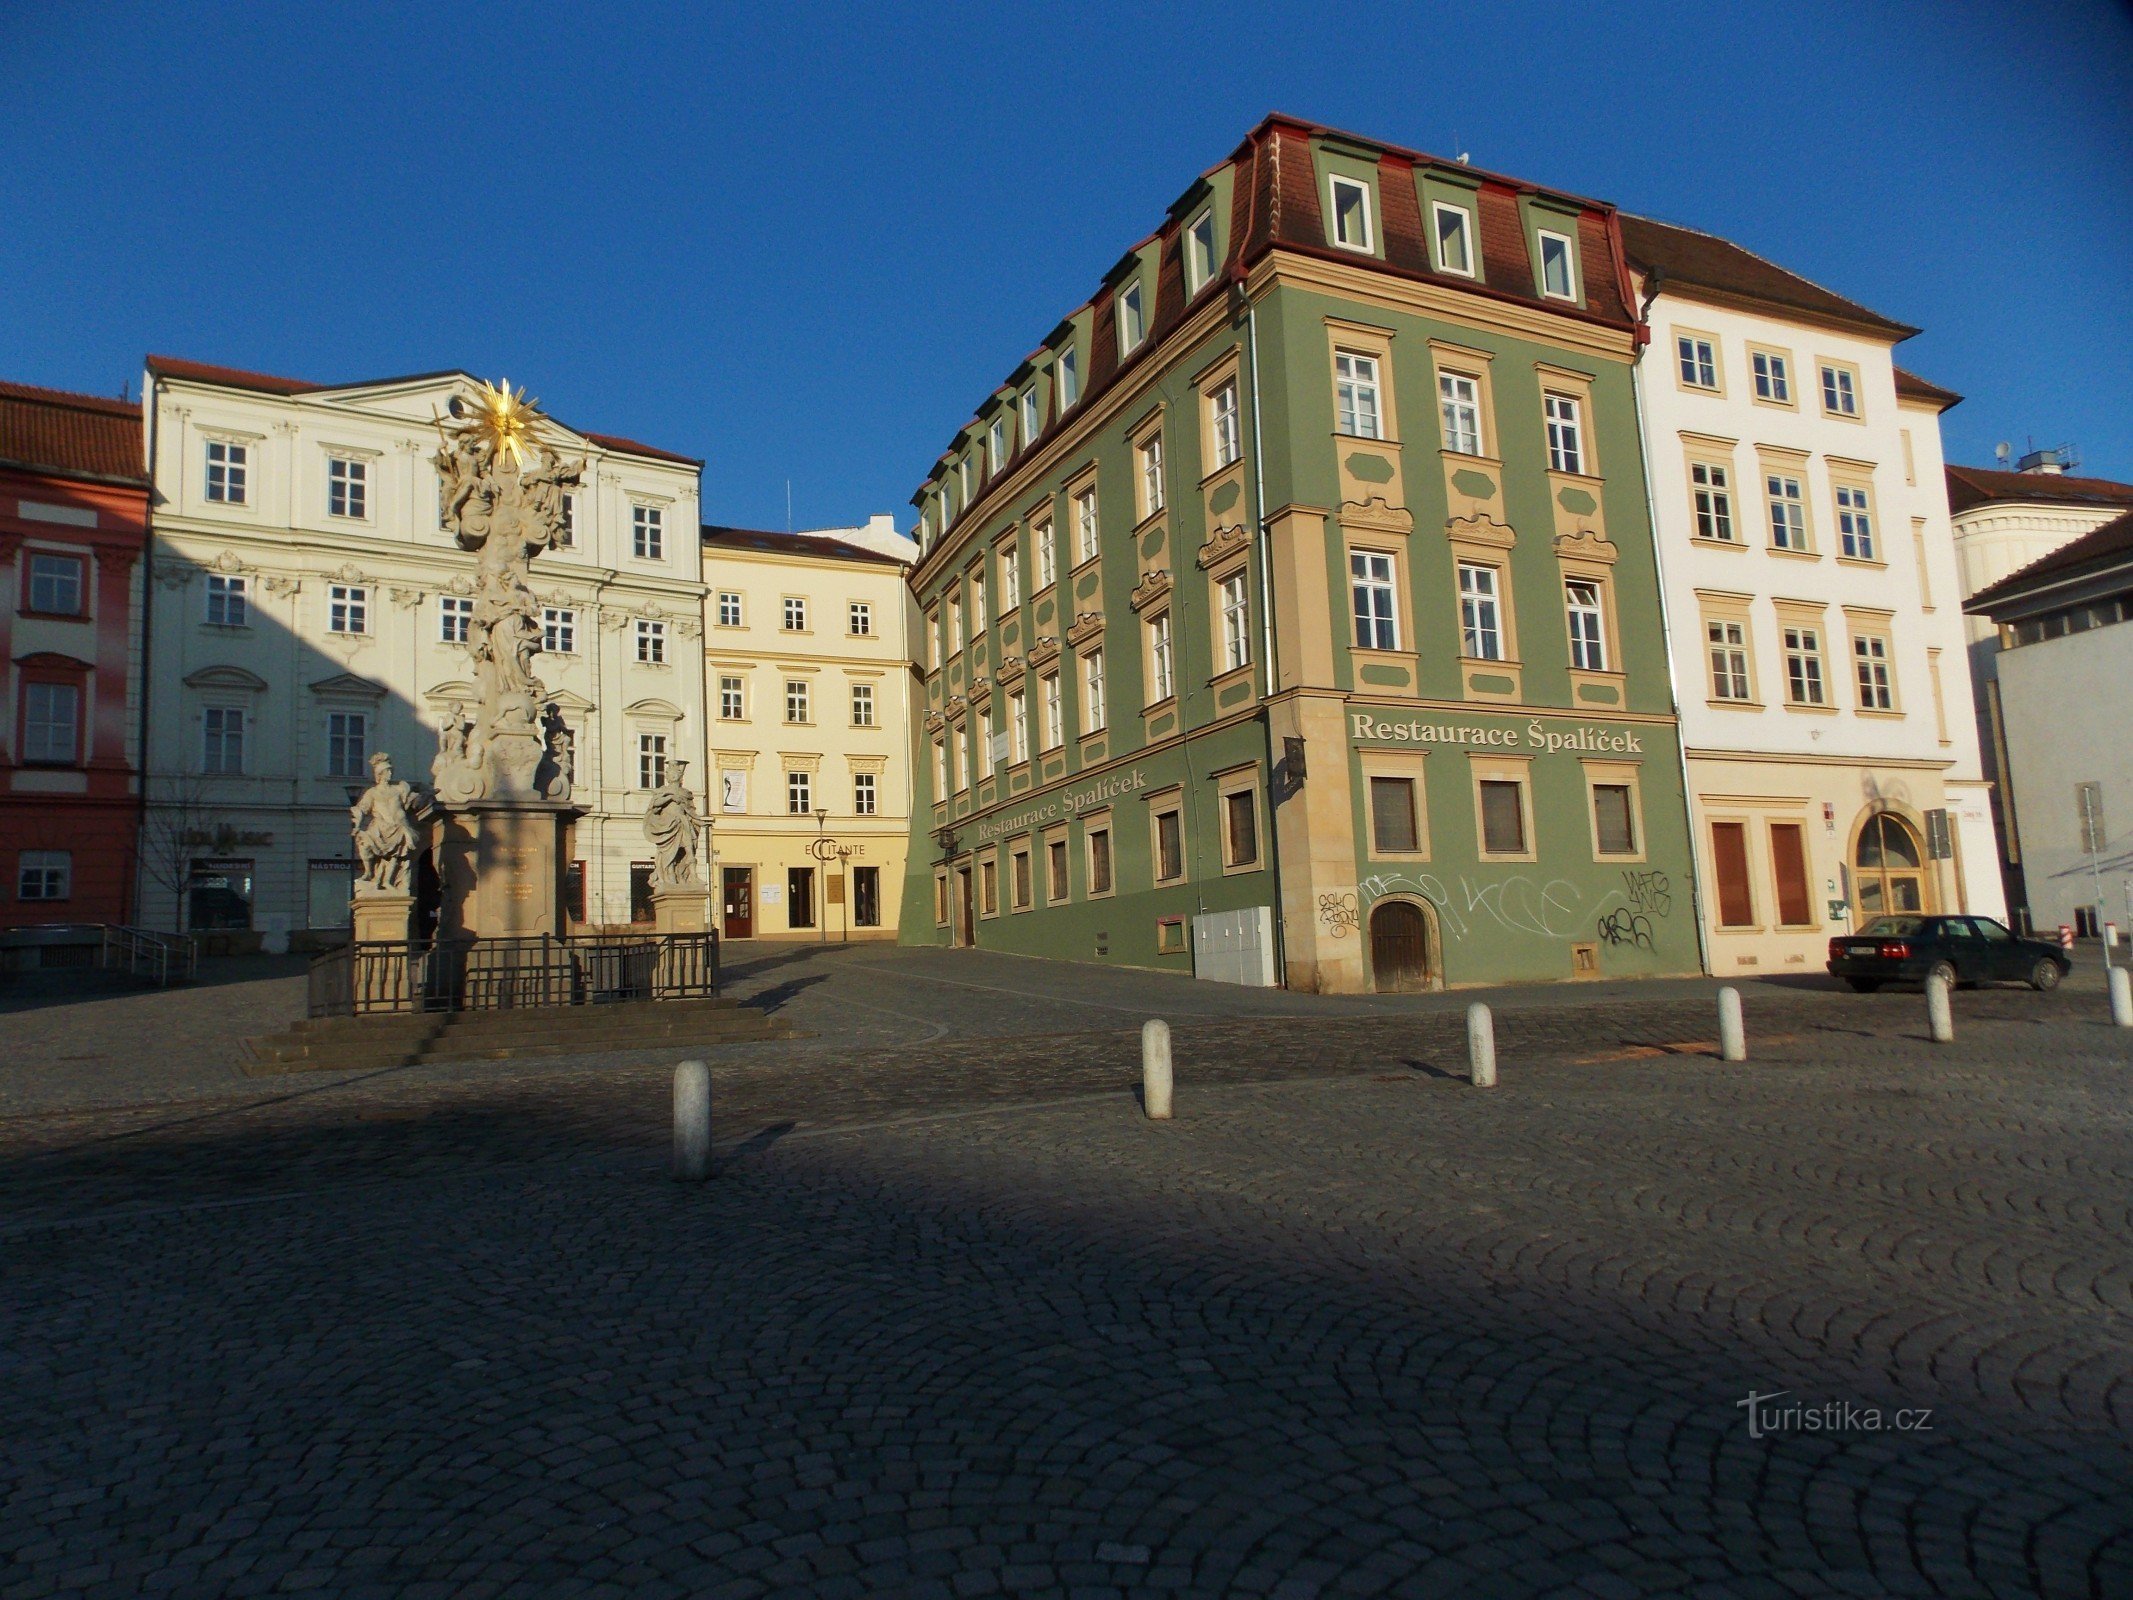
1962,949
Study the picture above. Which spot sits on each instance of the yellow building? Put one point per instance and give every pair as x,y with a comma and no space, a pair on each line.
807,680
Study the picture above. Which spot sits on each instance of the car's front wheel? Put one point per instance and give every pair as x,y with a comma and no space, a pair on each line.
2044,975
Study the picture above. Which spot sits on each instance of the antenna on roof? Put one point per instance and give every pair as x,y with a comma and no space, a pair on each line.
788,505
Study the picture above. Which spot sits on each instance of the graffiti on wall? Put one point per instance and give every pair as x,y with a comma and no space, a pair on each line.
1339,914
1519,904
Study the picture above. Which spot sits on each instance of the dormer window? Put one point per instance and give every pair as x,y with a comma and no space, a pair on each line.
1132,324
1351,213
1029,417
1069,378
1199,252
996,443
1453,234
1558,270
963,472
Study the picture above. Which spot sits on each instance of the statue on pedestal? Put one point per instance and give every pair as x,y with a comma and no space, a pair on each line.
500,493
673,825
386,837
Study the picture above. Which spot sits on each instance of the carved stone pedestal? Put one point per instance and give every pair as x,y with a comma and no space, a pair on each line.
382,918
681,910
501,868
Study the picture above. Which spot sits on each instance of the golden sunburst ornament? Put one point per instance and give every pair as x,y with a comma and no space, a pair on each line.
505,419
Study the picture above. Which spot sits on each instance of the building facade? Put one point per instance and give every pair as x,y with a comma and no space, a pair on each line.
2004,521
1814,607
1298,591
307,608
2065,631
73,523
807,662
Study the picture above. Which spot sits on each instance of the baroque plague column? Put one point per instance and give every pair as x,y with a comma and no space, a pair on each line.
500,806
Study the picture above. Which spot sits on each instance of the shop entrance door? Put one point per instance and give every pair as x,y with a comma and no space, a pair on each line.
965,909
1888,868
738,898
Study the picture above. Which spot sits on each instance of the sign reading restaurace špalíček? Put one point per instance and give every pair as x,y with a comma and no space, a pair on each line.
1536,735
1069,803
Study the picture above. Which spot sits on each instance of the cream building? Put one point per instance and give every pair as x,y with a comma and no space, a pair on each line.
807,666
2003,522
307,609
1813,606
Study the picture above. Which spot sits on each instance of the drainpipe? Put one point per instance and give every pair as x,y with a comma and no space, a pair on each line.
1266,636
1666,625
149,394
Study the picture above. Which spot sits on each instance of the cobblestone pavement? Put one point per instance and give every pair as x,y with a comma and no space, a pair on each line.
955,1320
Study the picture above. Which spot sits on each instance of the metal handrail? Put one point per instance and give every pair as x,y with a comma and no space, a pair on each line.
384,977
158,958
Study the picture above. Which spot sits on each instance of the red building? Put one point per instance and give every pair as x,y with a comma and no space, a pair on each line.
73,529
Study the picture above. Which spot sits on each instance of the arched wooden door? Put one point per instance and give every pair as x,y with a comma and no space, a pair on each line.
1888,868
1399,948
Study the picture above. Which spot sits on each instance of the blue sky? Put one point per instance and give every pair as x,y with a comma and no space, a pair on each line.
803,242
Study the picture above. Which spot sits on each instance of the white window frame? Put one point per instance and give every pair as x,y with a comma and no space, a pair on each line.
1053,726
1132,318
1224,424
1010,578
1726,648
1855,522
996,444
1092,693
1236,612
651,642
1374,599
1840,391
1069,370
348,608
1566,431
455,619
651,760
648,532
1335,183
977,602
1018,727
1148,454
862,705
732,697
1696,361
859,618
559,630
1785,498
799,793
348,488
41,744
866,794
1459,405
1480,612
1358,411
1031,425
76,579
1569,258
347,732
1162,683
229,473
1047,557
222,741
235,597
1587,620
730,615
1438,210
1199,251
1088,532
1771,374
50,873
1711,501
799,701
793,614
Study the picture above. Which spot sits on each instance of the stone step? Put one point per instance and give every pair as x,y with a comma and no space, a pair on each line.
343,1043
531,1020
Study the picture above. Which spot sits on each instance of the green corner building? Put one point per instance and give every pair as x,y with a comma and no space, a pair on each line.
1290,614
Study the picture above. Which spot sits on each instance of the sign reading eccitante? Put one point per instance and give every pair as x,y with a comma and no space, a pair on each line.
1537,735
1071,803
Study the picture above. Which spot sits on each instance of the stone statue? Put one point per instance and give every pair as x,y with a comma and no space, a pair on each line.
455,771
384,819
500,490
672,825
561,769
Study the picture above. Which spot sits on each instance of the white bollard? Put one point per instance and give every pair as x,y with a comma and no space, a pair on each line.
692,1122
1939,1018
1732,1031
2121,998
1155,1069
1481,1046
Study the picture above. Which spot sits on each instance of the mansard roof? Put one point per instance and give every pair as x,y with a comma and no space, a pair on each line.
1275,205
264,383
1693,260
71,435
1977,486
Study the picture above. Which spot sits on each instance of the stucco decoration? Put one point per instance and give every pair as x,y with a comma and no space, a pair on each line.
1086,627
1482,530
1585,546
500,493
1222,544
1152,587
671,826
385,823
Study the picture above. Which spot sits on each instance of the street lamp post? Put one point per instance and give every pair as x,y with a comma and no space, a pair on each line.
822,920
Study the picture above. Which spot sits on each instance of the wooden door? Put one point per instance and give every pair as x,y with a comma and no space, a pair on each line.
968,908
739,898
1399,948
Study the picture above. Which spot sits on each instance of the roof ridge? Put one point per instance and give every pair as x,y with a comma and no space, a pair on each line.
40,394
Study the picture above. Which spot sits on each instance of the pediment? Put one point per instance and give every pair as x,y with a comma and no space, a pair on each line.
226,678
453,691
349,686
664,710
53,660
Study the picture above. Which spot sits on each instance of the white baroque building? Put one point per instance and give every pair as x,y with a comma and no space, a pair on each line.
1814,607
306,609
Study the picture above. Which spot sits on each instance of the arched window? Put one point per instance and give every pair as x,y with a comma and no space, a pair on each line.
1888,867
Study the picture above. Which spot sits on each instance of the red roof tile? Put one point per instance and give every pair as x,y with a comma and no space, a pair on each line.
1910,386
1705,261
1977,486
75,435
817,545
2099,547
